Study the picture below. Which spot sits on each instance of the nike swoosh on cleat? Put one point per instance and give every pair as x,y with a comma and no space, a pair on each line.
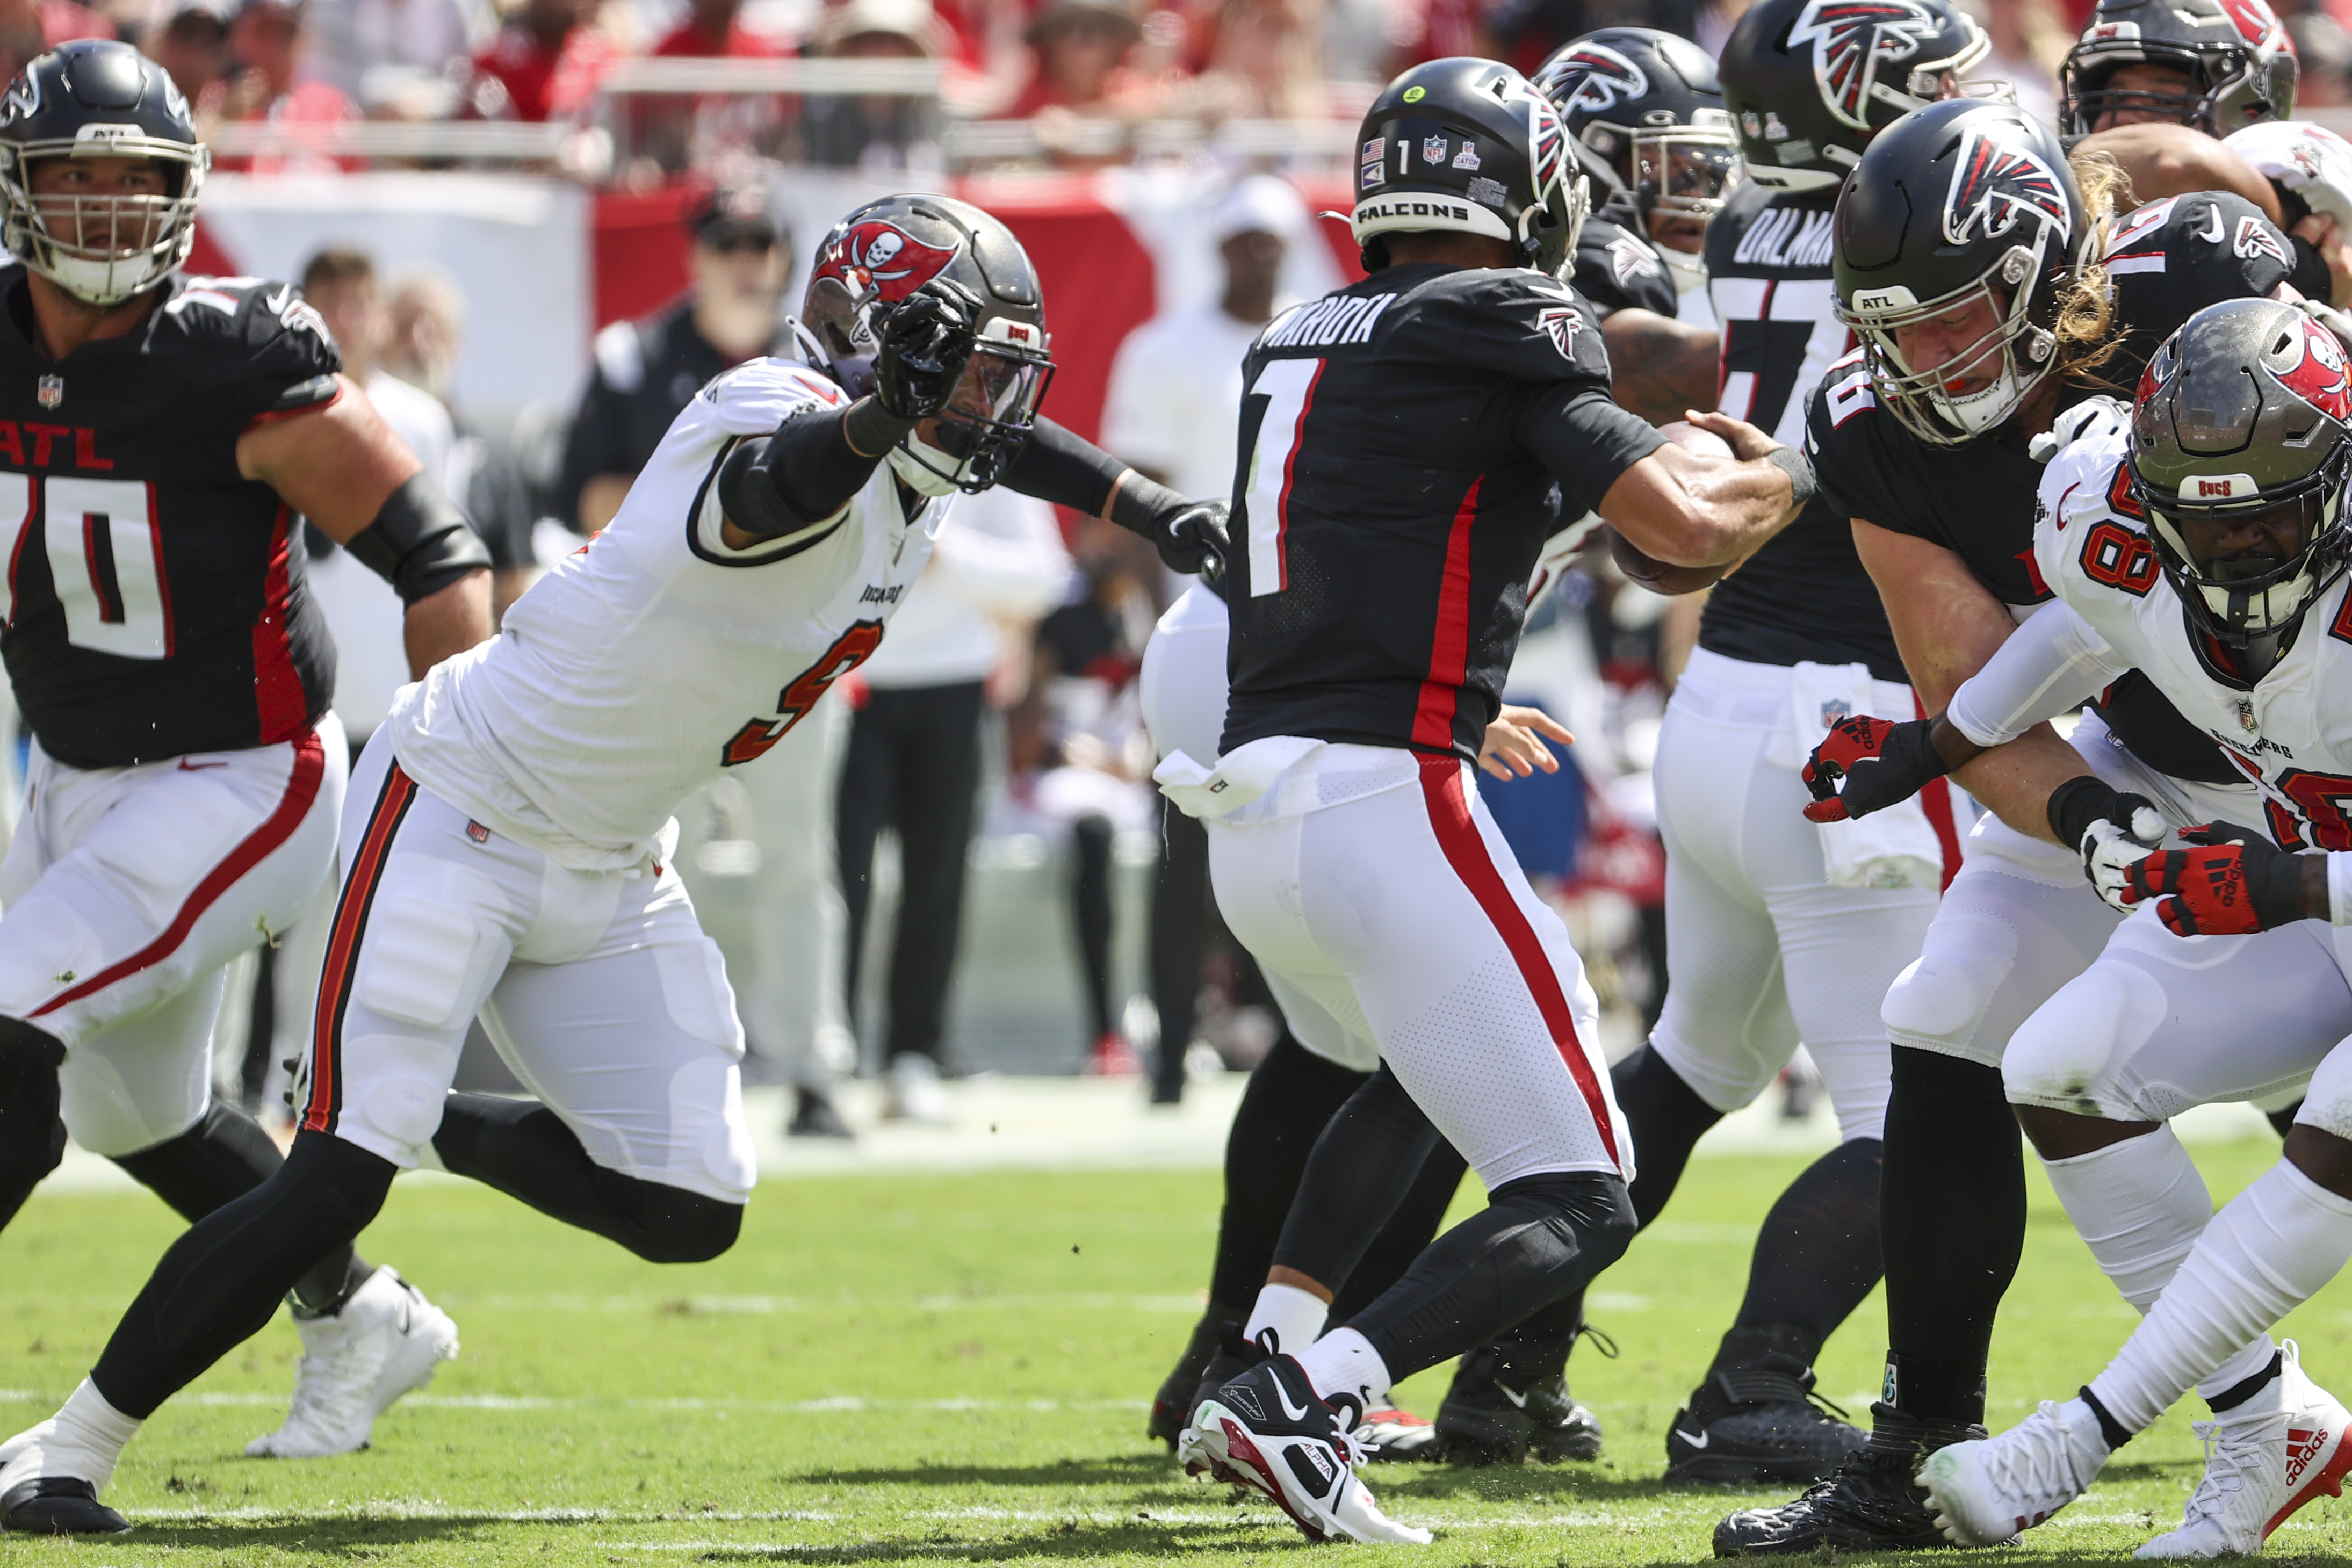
1700,1441
1518,1401
1298,1413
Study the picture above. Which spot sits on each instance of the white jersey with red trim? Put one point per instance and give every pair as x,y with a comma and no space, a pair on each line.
2289,733
656,656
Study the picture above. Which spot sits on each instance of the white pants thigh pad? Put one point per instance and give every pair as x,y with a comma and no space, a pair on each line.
598,988
1398,908
2160,1023
128,889
1762,952
2021,919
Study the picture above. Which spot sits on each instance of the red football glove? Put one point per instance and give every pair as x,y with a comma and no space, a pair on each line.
2235,883
1882,763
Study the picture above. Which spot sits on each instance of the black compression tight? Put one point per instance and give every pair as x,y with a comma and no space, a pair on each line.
524,1150
220,1159
1951,1226
32,1135
1364,1163
220,1282
1539,1237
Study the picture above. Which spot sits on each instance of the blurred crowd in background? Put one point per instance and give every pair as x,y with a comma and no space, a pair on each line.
1072,71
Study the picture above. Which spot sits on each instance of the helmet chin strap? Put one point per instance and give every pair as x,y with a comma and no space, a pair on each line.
1979,410
925,475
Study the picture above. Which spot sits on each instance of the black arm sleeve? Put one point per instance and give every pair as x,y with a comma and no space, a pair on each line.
1584,440
420,542
808,470
1060,467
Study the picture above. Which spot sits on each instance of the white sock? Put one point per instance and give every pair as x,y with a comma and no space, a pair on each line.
2139,1207
1296,1316
1344,1362
2269,1250
84,1439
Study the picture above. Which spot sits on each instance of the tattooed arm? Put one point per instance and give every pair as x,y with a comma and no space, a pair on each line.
1658,367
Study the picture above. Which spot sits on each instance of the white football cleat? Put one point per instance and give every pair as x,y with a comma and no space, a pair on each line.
1268,1429
384,1342
915,1093
2263,1461
1983,1493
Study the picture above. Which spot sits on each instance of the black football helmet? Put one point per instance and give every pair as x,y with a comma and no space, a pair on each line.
2246,411
1470,146
1648,103
1809,82
98,99
2234,51
1959,202
883,252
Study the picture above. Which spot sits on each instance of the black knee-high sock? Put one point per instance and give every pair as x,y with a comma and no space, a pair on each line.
1538,1238
32,1135
1289,1099
221,1281
220,1159
1407,1234
1816,1258
1363,1165
1090,911
1951,1228
524,1150
1666,1118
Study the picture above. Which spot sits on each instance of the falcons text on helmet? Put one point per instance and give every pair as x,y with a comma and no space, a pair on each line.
1851,39
1995,185
1592,78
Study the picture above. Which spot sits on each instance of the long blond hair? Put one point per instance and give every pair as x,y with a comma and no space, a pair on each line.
2086,308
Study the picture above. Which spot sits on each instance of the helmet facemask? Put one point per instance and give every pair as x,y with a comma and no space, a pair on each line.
101,249
2008,360
2251,598
970,444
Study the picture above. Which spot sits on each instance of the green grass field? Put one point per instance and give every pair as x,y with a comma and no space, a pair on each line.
950,1369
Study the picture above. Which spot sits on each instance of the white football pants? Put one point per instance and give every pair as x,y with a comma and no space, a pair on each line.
128,889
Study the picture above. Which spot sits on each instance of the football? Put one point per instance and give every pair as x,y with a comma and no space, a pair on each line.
1656,575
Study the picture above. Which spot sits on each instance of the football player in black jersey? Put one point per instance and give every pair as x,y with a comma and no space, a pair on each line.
1962,259
161,439
1646,114
1409,444
1758,902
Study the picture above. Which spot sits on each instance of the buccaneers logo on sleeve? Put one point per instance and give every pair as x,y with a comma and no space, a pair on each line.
881,257
1995,185
1851,39
1593,78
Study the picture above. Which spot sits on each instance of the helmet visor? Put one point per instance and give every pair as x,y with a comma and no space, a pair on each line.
988,419
1691,169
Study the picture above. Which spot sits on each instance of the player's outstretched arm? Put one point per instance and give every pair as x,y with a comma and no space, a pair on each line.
1061,466
344,469
1695,509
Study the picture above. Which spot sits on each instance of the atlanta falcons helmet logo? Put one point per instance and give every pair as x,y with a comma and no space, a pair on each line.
1996,185
1592,78
1851,39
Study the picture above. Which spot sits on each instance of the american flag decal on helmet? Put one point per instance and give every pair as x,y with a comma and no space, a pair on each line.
1851,39
1995,184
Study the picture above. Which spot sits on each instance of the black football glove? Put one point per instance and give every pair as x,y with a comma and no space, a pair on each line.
1192,538
2235,882
1882,763
2110,830
926,342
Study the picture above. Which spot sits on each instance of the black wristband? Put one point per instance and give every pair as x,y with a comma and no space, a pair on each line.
419,542
2074,805
1802,485
1138,504
872,430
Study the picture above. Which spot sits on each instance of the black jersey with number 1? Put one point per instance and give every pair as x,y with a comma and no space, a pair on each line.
1805,596
156,600
2167,261
1391,500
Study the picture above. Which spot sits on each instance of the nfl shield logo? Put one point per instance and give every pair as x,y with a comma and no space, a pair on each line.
52,391
1432,150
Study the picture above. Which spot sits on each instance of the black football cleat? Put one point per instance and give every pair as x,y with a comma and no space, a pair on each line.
1510,1403
58,1505
1171,1407
1872,1503
1234,1356
1762,1426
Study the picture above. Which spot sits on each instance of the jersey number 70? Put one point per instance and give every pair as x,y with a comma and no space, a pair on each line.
849,650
